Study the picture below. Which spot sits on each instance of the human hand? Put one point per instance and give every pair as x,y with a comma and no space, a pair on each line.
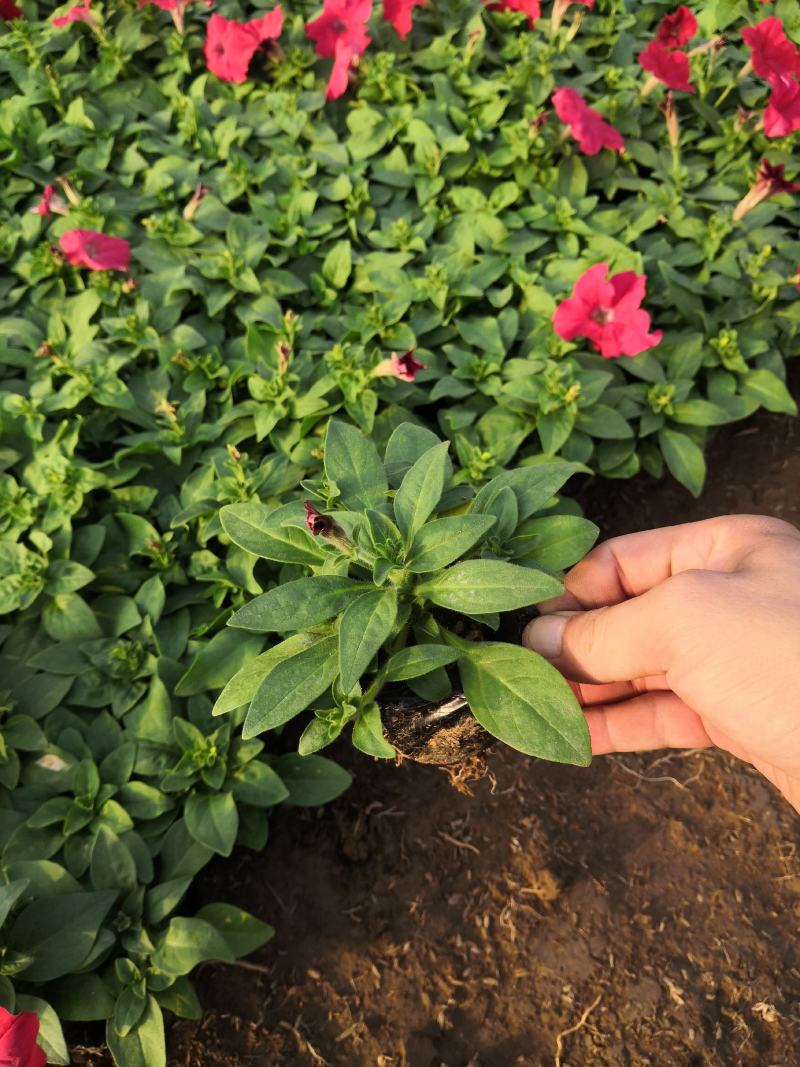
684,637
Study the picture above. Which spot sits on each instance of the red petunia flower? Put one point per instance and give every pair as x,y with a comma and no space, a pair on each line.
326,526
176,8
404,367
51,203
531,8
230,45
607,312
769,182
398,13
78,13
18,1047
87,248
677,28
9,10
782,114
671,68
771,52
341,31
586,125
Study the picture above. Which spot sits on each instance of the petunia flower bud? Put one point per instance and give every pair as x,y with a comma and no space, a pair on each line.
69,191
326,526
769,182
670,113
199,194
404,367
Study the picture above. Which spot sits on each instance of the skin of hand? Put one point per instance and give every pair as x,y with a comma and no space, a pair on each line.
684,637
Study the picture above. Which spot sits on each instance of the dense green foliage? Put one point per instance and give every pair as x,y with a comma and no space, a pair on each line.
428,209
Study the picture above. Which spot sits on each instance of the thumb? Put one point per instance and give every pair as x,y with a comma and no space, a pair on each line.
630,640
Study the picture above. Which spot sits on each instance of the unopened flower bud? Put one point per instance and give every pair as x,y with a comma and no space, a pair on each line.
326,526
200,193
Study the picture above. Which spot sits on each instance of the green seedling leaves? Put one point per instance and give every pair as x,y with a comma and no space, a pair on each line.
480,586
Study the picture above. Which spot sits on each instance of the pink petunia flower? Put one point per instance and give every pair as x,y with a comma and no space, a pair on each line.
607,311
341,31
9,10
772,54
230,45
87,248
586,125
176,8
531,8
77,13
50,203
769,182
398,13
782,114
18,1033
677,29
404,367
669,67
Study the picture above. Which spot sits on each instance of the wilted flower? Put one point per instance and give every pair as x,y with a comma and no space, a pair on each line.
9,10
607,312
50,203
670,113
87,248
398,13
18,1034
560,10
198,196
586,125
667,66
77,13
782,113
772,54
176,9
677,28
531,8
341,31
230,45
404,367
769,182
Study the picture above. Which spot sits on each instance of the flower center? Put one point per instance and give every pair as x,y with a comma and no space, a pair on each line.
339,26
603,315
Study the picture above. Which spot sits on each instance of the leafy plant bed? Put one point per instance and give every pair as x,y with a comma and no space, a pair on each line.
428,927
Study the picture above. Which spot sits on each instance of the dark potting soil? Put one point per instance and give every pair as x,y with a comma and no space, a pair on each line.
642,911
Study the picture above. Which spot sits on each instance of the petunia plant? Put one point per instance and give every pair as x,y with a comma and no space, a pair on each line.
403,573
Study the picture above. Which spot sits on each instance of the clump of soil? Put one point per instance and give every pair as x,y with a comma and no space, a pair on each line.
641,911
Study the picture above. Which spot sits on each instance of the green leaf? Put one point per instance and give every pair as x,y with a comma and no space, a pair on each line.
684,459
243,686
59,932
479,586
368,734
406,445
242,932
51,1036
766,388
81,998
418,660
217,662
311,780
64,576
338,264
212,820
9,895
257,784
519,698
352,463
441,541
144,1045
558,541
112,865
187,942
421,490
298,605
363,629
533,486
292,685
257,529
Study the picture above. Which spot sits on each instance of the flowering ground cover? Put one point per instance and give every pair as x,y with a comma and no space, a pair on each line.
556,238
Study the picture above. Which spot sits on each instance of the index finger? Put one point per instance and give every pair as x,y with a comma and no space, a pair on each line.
628,566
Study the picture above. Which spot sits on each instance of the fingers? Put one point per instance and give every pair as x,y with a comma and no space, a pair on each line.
652,720
627,566
633,639
589,695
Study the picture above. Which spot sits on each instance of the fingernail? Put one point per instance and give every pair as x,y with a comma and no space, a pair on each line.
545,635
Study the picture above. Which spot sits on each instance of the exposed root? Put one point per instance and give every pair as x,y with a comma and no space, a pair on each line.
572,1029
